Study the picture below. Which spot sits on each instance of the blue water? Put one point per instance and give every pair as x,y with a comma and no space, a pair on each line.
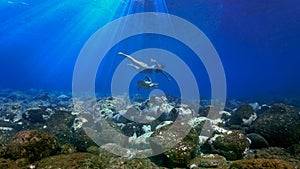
257,41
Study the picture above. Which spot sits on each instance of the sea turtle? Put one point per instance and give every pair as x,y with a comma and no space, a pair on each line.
147,84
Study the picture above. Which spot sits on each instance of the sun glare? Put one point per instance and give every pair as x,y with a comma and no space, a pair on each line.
66,25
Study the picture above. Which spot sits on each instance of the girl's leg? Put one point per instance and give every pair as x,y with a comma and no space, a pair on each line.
133,60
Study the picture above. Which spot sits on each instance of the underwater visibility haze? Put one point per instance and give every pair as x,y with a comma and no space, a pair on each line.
211,84
257,41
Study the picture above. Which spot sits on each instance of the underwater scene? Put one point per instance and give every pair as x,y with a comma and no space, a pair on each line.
117,84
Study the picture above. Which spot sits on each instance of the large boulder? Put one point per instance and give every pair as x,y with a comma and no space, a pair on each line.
257,141
60,125
280,126
231,144
33,144
244,115
175,142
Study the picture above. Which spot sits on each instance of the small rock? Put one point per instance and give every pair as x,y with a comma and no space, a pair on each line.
67,149
3,150
255,106
8,164
146,128
270,153
43,96
261,164
63,97
208,161
93,150
262,109
278,151
75,160
295,150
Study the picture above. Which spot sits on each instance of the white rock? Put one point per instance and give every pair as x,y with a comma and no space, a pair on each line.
162,124
108,113
77,107
50,111
122,112
152,109
255,106
149,118
208,156
45,117
184,106
146,128
265,105
165,107
225,112
121,125
216,121
249,140
63,97
185,111
211,140
143,139
251,119
221,130
202,139
193,166
132,138
6,128
78,122
196,121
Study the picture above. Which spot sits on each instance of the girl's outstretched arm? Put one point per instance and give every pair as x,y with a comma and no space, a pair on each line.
136,62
